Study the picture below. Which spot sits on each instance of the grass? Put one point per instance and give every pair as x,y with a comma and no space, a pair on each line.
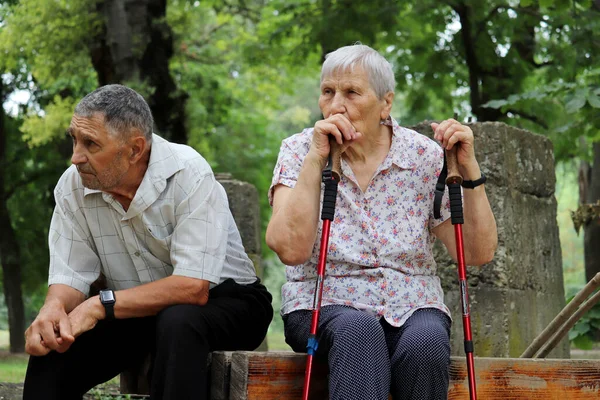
276,341
12,367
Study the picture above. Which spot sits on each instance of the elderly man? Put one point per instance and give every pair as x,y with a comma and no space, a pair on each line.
149,216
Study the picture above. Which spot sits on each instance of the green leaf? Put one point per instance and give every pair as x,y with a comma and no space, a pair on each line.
577,100
594,313
583,343
495,104
595,323
573,335
582,327
546,3
526,3
594,98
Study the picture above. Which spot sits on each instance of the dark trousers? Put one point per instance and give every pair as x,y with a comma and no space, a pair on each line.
179,338
369,359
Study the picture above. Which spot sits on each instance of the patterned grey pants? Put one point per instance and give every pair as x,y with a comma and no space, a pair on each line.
368,358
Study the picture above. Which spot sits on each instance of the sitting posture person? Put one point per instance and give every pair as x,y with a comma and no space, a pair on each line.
383,326
149,216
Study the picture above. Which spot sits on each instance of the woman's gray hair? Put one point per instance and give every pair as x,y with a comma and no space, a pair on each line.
378,69
123,108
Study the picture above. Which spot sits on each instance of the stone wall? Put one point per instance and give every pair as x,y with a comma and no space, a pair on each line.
244,205
514,297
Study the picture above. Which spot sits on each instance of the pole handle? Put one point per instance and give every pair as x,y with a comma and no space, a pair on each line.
335,154
452,162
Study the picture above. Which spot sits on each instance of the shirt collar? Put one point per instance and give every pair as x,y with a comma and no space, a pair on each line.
401,150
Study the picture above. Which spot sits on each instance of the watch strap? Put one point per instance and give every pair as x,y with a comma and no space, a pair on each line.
110,310
475,183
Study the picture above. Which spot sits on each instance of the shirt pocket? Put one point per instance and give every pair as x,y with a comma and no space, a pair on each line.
157,239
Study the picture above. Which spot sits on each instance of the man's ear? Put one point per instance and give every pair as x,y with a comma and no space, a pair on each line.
388,99
137,146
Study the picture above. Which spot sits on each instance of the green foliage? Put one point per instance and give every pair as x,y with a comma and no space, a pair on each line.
38,129
307,26
238,110
30,175
585,332
565,95
52,38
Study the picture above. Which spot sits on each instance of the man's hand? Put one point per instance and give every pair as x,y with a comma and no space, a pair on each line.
86,315
51,330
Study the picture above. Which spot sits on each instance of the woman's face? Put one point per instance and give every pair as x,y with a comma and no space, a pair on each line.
349,93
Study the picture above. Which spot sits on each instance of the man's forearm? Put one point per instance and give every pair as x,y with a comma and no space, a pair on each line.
63,296
149,299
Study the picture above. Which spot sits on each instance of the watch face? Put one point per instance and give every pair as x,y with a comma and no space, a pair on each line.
107,296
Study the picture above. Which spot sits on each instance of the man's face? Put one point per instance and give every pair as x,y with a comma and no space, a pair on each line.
99,156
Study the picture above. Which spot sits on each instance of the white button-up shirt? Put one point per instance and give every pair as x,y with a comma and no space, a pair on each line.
178,223
380,246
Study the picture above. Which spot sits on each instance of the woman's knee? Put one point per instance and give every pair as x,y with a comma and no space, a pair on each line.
428,343
358,333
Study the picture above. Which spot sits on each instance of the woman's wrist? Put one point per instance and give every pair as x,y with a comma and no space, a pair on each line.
471,171
315,161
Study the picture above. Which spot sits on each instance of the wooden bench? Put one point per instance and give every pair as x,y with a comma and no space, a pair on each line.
280,375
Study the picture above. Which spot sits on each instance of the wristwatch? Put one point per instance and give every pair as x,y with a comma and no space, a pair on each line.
108,300
475,183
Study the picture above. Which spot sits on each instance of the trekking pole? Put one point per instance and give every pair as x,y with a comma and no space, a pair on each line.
454,180
331,176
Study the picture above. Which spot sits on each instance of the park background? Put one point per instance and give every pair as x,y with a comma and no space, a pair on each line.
232,78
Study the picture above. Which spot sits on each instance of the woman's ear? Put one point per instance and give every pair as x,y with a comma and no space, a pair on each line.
388,99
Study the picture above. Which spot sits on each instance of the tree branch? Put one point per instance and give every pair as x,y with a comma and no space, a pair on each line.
28,179
481,25
541,65
529,117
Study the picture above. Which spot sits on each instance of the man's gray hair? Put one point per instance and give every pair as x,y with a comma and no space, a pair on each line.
378,69
123,108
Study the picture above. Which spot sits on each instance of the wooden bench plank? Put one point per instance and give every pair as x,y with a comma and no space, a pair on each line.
280,375
220,375
524,378
273,375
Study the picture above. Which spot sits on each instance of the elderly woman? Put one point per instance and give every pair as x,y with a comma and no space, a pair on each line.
383,325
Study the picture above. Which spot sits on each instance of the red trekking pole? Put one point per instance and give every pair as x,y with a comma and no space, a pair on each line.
331,177
454,181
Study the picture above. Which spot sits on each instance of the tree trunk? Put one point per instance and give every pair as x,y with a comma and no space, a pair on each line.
134,49
492,77
10,256
591,231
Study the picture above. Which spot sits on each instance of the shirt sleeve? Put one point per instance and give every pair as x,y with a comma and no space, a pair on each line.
199,241
286,170
73,260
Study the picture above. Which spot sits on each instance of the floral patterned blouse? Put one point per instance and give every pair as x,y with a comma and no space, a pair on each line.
380,246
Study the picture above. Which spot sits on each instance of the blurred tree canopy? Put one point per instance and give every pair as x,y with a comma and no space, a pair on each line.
232,78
